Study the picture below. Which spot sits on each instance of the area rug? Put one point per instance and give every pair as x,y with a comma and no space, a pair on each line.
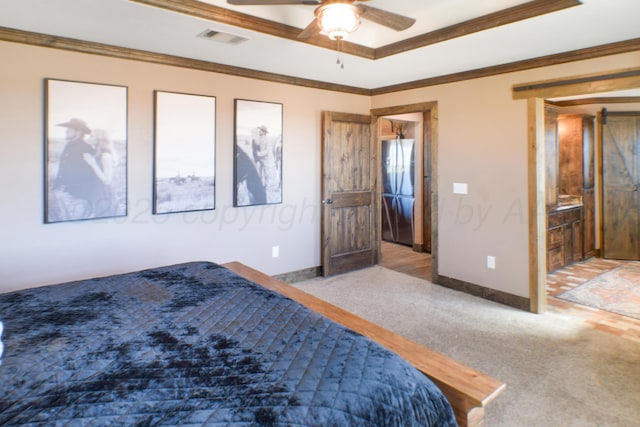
617,291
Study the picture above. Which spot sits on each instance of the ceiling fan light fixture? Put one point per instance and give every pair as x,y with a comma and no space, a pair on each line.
338,20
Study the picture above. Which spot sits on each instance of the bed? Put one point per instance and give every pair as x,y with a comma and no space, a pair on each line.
204,344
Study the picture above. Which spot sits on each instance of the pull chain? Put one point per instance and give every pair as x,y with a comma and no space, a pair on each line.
340,60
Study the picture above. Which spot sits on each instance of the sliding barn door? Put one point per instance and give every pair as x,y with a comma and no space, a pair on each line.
349,170
620,185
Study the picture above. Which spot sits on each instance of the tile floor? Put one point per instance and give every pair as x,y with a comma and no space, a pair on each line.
577,273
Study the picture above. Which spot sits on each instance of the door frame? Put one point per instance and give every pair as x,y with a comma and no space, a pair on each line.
430,113
535,93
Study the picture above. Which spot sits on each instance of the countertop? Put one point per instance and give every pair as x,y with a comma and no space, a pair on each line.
563,207
565,202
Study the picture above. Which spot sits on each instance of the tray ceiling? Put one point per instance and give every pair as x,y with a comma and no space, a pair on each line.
449,36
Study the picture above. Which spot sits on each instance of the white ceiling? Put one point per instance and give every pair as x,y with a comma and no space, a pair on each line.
128,24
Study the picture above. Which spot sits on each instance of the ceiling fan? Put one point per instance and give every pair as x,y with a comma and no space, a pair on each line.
338,18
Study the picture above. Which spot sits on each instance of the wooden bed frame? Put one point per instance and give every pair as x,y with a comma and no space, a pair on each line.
467,389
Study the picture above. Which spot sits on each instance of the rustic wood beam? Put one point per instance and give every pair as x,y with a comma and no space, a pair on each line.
596,100
585,84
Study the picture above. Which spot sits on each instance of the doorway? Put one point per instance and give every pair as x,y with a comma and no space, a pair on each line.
535,93
601,286
422,120
404,259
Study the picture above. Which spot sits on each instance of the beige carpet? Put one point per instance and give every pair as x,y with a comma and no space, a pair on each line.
558,371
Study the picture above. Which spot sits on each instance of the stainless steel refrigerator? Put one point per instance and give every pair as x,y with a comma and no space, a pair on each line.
398,190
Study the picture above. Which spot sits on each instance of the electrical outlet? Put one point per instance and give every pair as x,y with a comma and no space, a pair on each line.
491,262
275,251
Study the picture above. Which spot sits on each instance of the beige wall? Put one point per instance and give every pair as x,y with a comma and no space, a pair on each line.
34,253
482,142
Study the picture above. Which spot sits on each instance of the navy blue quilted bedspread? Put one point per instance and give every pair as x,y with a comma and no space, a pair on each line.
195,344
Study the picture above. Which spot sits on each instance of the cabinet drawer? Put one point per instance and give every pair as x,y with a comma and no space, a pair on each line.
555,237
563,217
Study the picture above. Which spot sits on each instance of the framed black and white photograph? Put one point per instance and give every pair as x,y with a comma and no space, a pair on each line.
85,151
185,147
258,153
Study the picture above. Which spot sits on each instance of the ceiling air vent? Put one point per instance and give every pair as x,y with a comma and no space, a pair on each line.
222,37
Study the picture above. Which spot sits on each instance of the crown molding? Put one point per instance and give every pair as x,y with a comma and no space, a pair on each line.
510,15
486,22
81,46
210,12
626,46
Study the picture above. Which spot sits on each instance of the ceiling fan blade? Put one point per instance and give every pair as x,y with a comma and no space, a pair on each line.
387,19
271,2
312,29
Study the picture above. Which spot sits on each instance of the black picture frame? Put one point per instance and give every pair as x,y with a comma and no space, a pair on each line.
184,152
85,151
258,135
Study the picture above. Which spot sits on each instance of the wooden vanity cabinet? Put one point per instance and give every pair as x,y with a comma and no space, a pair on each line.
576,170
569,150
564,237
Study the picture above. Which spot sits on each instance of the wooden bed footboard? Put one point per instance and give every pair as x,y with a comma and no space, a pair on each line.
468,390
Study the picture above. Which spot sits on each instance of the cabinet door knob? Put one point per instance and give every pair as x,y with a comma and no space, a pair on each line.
327,201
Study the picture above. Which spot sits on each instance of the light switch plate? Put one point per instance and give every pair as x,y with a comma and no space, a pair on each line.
459,188
491,262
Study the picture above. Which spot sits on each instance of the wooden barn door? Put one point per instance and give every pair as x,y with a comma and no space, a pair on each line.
620,185
349,170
